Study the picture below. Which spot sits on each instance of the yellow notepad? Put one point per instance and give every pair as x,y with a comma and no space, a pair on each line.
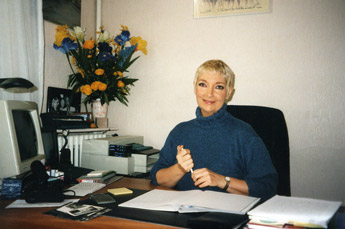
120,191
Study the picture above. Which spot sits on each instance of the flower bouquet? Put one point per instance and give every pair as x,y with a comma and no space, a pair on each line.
100,65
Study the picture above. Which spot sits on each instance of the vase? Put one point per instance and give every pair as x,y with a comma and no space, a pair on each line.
99,110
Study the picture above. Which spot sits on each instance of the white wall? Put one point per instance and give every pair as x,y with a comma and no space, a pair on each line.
292,59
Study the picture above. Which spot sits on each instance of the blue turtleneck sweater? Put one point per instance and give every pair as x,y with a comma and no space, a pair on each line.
225,145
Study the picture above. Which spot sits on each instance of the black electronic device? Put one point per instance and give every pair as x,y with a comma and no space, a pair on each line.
57,121
51,148
102,198
71,173
36,188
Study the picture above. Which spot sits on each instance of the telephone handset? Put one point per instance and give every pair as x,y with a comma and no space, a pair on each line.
37,188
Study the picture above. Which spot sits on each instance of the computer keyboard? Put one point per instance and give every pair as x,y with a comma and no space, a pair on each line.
84,188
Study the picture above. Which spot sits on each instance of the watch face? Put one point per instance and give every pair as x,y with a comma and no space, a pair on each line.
227,179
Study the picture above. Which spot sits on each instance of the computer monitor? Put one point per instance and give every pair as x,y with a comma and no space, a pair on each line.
20,137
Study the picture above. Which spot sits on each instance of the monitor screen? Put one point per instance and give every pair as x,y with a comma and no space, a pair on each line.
26,134
20,137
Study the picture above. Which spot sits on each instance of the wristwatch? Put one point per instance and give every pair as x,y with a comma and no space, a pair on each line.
227,180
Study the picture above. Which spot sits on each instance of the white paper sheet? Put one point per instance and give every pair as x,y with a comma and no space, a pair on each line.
192,201
24,204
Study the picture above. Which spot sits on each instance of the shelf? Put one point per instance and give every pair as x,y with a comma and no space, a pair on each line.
88,130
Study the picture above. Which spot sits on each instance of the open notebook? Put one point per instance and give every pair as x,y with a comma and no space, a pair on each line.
192,201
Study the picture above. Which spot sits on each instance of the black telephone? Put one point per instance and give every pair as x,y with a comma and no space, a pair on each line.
36,187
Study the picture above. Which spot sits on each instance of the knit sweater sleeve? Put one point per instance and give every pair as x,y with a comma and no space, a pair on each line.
261,176
167,157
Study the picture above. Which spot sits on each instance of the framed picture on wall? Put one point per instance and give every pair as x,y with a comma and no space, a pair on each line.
62,12
215,8
63,101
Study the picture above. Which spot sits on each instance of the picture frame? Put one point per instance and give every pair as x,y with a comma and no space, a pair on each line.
59,99
216,8
62,12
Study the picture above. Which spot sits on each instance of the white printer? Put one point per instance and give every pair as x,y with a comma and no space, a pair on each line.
95,155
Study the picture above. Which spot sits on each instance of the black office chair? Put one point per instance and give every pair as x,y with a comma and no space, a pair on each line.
270,125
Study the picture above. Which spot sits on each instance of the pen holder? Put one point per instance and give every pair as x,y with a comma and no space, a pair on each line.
102,122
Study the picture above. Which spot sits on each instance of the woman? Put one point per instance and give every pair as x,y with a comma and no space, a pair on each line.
215,151
55,105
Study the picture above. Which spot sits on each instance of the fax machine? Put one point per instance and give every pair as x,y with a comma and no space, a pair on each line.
96,155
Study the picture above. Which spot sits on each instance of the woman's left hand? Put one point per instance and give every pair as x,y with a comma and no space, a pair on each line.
205,177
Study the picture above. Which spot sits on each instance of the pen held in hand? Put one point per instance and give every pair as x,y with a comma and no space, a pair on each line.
191,170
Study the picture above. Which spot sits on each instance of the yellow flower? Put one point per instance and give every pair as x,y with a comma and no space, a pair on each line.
124,28
60,28
120,73
89,44
95,85
120,84
58,38
61,33
86,89
102,86
99,72
141,44
89,56
117,49
81,73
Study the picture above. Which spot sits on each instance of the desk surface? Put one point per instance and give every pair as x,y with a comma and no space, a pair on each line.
34,217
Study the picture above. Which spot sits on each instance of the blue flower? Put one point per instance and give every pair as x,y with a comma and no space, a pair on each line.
104,56
125,53
104,47
122,38
66,45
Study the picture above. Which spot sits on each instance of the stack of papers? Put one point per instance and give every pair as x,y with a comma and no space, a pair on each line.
295,211
100,173
192,201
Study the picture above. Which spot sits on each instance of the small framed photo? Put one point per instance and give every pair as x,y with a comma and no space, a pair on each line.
87,116
63,101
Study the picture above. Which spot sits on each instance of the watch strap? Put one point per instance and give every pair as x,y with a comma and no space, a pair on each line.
226,185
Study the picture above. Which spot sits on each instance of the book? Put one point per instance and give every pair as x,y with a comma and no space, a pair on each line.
96,179
120,191
192,201
297,211
99,173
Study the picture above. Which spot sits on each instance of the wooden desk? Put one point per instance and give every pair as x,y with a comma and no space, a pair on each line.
34,217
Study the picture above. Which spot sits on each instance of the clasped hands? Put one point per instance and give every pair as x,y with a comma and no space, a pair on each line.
202,177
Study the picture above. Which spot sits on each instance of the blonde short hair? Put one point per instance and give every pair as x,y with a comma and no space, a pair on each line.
219,67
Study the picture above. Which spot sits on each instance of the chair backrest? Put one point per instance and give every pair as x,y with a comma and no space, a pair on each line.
270,125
